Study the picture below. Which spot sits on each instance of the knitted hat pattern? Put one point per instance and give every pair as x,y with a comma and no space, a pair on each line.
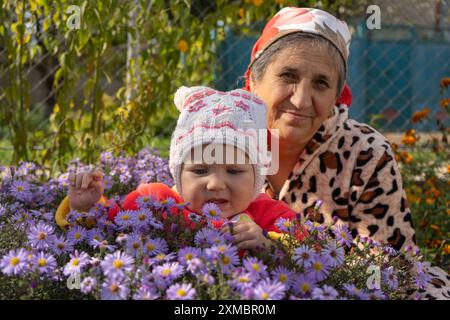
210,117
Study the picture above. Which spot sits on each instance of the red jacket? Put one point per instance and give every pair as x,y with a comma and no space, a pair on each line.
263,210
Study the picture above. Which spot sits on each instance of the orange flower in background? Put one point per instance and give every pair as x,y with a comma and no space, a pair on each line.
446,249
448,168
258,2
430,201
445,103
408,158
419,115
409,140
445,82
183,46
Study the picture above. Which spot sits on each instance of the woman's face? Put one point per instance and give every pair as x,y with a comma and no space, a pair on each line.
299,88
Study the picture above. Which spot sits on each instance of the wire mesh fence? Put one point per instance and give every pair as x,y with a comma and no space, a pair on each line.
394,71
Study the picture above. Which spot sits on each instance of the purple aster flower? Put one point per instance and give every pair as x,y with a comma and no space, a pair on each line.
164,204
112,289
45,263
211,211
116,264
241,281
156,246
134,244
334,254
60,245
145,202
319,268
183,291
188,253
77,234
169,271
208,237
352,290
124,219
21,190
15,262
95,234
196,266
389,250
325,293
107,158
390,278
377,295
227,258
314,226
206,278
256,268
343,236
144,218
303,285
283,275
146,293
76,264
88,284
103,245
304,256
194,217
162,257
269,290
2,210
38,236
285,225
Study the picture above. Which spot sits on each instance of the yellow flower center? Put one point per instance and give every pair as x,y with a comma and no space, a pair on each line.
221,249
125,217
117,264
212,213
150,247
188,256
160,256
318,266
141,217
305,287
42,235
243,280
265,296
181,292
42,262
226,260
166,272
19,188
255,267
61,246
77,235
75,262
282,278
14,261
136,245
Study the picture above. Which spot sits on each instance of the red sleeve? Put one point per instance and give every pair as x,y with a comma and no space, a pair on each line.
266,211
159,191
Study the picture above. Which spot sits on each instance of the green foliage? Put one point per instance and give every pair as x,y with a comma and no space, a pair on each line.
114,78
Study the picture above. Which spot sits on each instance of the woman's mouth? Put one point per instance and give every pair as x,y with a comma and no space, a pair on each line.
297,115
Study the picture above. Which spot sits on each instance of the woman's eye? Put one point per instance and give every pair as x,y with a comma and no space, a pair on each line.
322,84
234,171
288,76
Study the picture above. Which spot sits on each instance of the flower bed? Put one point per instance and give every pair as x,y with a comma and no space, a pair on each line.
152,253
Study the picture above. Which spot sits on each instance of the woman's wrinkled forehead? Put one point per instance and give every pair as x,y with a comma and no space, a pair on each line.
216,153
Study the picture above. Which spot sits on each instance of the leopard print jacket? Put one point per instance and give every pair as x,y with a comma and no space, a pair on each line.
352,169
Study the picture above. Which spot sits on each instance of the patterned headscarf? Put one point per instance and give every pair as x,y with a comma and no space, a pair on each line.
307,20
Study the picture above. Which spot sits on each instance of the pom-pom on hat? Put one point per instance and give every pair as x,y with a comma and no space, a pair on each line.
209,117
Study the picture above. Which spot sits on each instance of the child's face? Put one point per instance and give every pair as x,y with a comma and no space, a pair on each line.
229,183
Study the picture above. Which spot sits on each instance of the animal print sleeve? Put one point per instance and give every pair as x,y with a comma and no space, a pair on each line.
377,201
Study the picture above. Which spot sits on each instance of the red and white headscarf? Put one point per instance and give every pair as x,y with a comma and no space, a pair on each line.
308,20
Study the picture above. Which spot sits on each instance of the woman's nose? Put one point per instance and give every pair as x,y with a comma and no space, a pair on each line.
302,95
215,182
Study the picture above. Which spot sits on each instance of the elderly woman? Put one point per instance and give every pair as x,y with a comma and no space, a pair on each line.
298,68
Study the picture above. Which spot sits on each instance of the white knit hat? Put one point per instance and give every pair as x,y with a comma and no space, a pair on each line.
235,118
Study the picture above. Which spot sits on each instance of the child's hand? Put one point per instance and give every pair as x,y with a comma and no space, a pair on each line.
85,190
248,235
